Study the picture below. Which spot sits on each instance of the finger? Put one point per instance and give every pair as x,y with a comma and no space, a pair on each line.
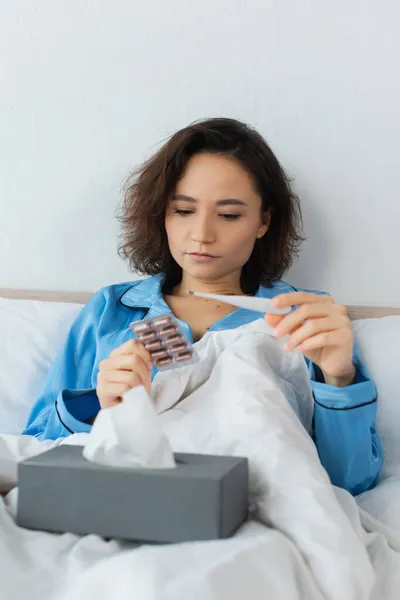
131,377
124,362
305,312
273,320
114,390
140,370
109,402
314,326
297,298
326,338
132,347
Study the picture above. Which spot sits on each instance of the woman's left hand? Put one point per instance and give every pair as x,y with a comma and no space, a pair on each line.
321,330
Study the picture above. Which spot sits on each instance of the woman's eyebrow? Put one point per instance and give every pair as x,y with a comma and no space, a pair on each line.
225,202
231,201
184,197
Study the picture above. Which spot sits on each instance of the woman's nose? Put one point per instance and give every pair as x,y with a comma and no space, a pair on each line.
203,231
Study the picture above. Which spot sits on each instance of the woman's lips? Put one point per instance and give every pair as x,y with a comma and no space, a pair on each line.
199,257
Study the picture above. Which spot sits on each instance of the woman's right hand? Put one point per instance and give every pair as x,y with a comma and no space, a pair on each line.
127,367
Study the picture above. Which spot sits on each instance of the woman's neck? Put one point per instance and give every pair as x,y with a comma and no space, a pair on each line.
226,285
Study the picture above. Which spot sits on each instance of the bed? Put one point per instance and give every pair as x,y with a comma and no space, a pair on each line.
69,567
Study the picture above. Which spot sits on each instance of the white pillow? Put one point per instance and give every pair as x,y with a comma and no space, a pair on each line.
378,343
31,334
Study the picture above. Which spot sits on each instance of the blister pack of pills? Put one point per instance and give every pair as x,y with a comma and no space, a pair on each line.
168,345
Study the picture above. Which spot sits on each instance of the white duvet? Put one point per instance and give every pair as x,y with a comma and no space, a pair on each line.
305,540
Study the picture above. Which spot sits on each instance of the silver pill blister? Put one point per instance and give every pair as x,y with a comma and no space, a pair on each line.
168,345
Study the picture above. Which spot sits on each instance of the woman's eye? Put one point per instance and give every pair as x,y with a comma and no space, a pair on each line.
229,217
183,212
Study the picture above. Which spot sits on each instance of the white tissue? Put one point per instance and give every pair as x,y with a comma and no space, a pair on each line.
129,435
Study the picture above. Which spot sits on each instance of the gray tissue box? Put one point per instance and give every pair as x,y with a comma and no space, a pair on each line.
205,497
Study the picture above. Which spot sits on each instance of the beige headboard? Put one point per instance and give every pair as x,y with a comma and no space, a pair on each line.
355,312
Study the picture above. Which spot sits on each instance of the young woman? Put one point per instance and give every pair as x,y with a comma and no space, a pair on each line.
213,211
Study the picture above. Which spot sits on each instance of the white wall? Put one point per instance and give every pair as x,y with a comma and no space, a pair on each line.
88,89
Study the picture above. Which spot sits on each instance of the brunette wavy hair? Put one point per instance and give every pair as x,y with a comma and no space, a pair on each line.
144,241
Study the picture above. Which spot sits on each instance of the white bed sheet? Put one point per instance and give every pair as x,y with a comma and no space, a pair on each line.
307,540
259,562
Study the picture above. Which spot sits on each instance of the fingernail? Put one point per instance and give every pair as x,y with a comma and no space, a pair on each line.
149,365
277,332
275,301
287,346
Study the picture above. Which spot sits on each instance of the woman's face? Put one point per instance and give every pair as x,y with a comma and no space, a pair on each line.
214,218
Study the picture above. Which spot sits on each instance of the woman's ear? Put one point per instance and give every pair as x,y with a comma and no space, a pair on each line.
266,220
